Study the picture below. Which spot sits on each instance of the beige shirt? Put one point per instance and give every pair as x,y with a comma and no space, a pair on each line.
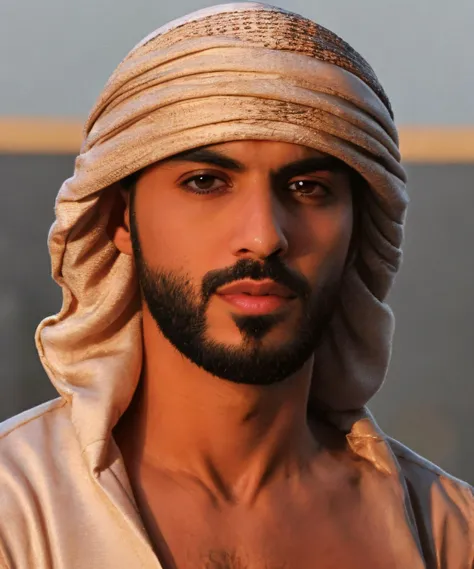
67,507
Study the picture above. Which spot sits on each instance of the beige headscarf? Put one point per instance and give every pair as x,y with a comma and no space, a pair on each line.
232,72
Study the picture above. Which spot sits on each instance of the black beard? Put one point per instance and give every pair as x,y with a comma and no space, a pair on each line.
180,314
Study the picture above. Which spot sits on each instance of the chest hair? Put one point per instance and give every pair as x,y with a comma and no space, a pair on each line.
222,559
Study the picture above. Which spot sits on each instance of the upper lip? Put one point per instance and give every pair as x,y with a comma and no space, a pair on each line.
256,288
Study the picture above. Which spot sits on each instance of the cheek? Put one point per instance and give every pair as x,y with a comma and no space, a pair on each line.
161,231
340,230
165,242
331,238
172,239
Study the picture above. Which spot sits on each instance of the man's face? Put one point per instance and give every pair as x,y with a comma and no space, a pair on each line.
243,213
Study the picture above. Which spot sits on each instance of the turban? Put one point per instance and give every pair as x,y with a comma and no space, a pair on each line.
231,72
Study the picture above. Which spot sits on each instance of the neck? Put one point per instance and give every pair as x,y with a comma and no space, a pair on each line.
234,438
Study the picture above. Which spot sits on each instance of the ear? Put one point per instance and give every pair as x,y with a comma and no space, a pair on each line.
119,222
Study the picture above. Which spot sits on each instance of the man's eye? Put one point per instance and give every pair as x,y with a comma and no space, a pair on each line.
310,188
203,183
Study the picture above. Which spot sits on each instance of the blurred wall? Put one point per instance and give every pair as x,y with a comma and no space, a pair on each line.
55,57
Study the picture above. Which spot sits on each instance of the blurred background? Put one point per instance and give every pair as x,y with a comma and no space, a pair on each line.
55,57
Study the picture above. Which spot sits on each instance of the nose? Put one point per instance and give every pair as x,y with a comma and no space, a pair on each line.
259,225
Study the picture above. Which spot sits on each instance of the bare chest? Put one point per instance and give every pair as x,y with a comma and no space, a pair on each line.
320,550
327,535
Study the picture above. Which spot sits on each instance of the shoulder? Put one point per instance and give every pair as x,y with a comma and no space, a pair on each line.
35,455
39,457
36,444
442,505
33,446
49,493
16,423
421,471
32,427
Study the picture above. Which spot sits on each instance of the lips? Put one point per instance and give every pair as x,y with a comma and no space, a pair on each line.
256,288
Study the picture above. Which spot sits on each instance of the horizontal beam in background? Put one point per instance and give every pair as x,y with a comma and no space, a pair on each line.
427,144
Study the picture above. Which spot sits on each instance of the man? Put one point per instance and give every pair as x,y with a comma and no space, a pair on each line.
224,248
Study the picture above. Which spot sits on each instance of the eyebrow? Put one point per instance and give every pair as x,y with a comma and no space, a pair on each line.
308,165
206,156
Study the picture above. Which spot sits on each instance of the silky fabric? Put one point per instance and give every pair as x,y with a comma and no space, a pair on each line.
232,72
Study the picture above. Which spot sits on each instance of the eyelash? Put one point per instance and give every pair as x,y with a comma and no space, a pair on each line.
185,185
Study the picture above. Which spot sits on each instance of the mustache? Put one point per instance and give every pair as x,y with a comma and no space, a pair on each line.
271,268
